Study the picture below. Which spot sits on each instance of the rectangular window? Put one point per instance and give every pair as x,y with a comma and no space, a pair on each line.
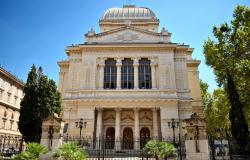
127,74
110,74
145,74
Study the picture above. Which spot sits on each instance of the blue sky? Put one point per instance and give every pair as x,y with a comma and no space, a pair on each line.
38,31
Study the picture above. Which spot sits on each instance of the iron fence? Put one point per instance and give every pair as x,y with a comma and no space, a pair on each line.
225,149
105,148
10,145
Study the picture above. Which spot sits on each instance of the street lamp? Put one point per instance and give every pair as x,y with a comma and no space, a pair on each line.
173,124
80,124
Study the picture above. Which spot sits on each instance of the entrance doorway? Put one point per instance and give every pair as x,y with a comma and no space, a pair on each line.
144,136
127,138
110,138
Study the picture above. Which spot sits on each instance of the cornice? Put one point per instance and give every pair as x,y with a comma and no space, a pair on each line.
9,105
76,101
63,63
11,78
130,28
193,63
107,47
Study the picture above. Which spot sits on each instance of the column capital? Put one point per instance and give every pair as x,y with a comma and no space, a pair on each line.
61,73
135,61
118,61
136,109
99,109
101,61
154,109
118,109
153,60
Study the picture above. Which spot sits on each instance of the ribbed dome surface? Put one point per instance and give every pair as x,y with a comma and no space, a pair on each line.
128,12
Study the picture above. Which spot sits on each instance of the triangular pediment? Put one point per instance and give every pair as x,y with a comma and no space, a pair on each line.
128,34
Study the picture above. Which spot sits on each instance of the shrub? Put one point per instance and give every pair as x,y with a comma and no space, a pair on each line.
32,152
160,149
70,151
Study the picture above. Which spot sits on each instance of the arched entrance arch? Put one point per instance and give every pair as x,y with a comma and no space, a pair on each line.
127,138
144,136
110,138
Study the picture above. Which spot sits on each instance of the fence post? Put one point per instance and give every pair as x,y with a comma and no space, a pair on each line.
3,142
103,148
99,148
180,145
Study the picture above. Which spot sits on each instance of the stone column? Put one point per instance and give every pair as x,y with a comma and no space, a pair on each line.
118,129
153,78
101,77
118,73
137,130
155,123
99,123
136,73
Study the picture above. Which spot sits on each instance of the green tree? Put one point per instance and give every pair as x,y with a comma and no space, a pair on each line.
29,123
33,151
70,151
205,95
228,55
48,96
41,99
217,115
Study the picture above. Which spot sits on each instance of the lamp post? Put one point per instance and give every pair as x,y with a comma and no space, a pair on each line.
80,124
173,124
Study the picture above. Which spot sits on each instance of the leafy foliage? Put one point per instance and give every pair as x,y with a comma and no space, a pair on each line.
160,149
32,152
205,95
41,99
217,114
229,57
70,151
167,149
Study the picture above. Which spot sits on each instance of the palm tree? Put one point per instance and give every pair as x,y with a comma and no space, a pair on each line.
70,151
160,149
33,151
167,150
153,147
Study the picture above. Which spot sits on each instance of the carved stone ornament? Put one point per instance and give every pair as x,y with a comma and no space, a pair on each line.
195,127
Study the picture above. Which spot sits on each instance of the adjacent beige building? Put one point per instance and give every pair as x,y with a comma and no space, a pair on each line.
128,81
11,93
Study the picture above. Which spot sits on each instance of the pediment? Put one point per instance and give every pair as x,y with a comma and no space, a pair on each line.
52,120
128,35
146,116
109,117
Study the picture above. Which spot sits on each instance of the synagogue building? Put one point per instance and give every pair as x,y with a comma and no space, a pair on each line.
130,80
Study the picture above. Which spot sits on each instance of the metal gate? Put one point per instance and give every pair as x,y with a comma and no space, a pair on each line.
103,149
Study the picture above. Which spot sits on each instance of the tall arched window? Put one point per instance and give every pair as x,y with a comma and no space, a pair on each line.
145,74
127,74
110,74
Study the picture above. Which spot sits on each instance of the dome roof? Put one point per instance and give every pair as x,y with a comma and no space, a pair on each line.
129,12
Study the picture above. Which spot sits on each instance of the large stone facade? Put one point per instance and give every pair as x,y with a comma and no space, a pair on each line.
164,83
11,93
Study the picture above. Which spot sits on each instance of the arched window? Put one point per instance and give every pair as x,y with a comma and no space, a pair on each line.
110,74
127,74
145,74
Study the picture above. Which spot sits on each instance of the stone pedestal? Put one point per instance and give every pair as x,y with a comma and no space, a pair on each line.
196,143
52,131
192,154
